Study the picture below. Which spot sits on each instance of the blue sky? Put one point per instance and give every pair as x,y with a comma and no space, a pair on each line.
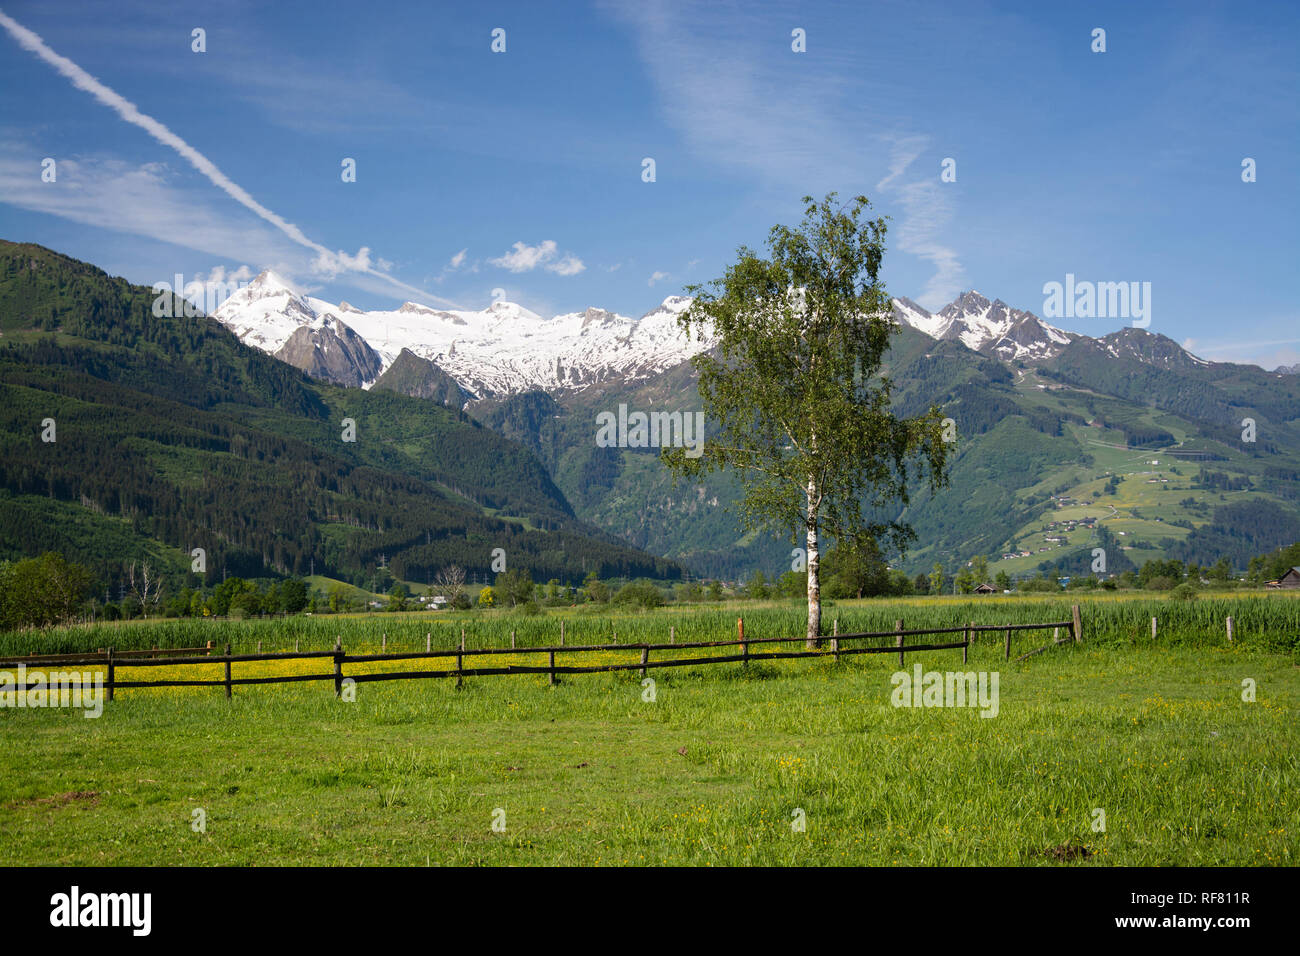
522,170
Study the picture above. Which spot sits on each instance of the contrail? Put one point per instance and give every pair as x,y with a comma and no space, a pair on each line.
131,113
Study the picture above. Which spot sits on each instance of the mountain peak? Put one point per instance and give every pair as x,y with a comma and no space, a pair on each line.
270,283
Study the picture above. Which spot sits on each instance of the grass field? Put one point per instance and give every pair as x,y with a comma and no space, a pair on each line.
712,772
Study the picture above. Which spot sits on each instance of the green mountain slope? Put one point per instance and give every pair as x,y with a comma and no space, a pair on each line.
171,435
1051,462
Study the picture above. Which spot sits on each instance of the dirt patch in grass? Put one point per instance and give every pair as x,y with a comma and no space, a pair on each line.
1066,852
89,797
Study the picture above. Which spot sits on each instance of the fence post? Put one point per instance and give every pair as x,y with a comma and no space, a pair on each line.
460,678
645,657
835,639
227,672
428,641
561,633
672,633
295,645
338,668
1230,629
383,643
1076,624
110,673
1153,628
512,638
965,648
898,626
1007,654
744,648
259,647
551,655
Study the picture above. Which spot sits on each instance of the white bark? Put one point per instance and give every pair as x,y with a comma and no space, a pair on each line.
814,565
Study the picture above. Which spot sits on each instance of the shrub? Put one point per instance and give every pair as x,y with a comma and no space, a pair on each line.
639,594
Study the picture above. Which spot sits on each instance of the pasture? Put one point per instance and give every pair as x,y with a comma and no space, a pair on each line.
800,762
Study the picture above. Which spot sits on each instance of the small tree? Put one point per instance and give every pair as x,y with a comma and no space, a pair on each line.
451,582
145,585
794,388
594,588
397,597
936,579
515,586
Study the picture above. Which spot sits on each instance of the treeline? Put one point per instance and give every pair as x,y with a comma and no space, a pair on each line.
1238,532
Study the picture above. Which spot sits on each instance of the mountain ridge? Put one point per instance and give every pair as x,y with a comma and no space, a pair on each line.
506,349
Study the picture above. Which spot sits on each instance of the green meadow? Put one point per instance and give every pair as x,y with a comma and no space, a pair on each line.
1117,751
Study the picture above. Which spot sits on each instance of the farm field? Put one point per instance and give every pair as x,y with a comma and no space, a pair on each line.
713,771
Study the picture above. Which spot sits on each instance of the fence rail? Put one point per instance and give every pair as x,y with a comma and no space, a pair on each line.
829,646
101,656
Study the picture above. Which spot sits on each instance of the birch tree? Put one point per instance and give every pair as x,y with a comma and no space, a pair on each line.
794,395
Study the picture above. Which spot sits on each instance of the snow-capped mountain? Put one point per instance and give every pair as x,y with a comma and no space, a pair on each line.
992,328
501,350
505,349
1150,349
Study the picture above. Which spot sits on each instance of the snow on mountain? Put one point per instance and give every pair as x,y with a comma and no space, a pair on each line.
506,349
1150,349
503,349
992,328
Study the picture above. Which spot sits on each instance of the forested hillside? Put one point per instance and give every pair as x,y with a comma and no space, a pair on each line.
1053,460
123,434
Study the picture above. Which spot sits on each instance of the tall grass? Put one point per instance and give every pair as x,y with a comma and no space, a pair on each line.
1260,621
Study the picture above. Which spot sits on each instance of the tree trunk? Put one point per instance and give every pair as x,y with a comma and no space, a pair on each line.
814,565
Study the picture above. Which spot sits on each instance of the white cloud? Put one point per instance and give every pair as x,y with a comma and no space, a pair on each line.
219,275
1267,353
330,263
568,266
458,259
735,107
525,258
657,277
927,213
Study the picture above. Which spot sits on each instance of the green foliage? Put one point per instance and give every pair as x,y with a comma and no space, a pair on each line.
514,586
639,594
397,598
854,572
594,588
173,435
41,591
794,388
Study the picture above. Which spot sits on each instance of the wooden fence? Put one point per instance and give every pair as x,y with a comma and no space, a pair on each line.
832,646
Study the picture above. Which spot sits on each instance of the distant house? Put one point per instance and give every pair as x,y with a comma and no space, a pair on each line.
986,588
1290,580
